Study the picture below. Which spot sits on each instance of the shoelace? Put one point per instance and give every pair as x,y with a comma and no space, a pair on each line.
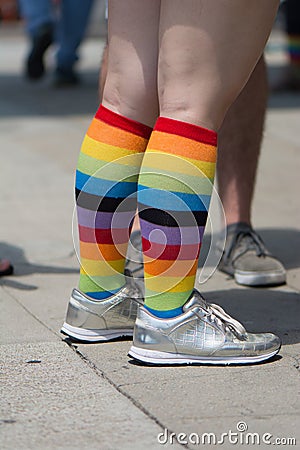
246,239
218,315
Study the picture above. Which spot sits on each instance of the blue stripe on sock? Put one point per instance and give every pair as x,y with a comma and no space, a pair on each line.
102,294
104,188
171,200
165,314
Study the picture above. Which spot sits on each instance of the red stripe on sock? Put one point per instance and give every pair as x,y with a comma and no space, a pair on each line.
116,120
170,252
187,130
103,236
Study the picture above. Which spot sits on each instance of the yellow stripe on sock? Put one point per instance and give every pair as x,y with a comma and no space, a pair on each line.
101,268
170,284
105,152
155,159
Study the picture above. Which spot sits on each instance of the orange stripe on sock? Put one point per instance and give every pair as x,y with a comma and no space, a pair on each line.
102,132
178,145
102,252
170,268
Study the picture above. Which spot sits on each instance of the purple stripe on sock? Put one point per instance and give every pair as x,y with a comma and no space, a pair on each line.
171,235
104,220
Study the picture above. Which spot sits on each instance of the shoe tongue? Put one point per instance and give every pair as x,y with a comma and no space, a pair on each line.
238,227
194,300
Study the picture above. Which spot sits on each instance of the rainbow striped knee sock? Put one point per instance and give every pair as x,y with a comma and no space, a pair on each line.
174,191
106,184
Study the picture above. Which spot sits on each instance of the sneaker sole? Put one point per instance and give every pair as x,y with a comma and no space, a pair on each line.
259,279
84,335
154,357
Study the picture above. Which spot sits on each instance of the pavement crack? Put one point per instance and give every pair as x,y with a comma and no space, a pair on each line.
137,404
296,363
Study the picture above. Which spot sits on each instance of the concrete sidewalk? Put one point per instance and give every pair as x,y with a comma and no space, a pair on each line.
60,396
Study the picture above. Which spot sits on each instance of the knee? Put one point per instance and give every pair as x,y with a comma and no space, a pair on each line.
183,89
132,93
176,72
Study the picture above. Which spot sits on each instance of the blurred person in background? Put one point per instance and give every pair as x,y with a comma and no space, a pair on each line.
9,11
289,79
63,22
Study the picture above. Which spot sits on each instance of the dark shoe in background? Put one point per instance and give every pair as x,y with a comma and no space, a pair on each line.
35,67
65,77
247,259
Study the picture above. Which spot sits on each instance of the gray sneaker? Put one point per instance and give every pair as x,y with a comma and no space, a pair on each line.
134,257
203,334
247,259
91,320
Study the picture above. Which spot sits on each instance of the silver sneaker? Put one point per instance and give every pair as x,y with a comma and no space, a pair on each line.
203,334
91,320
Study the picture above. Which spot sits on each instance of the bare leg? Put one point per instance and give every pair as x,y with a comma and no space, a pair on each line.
131,87
239,146
207,53
103,72
245,257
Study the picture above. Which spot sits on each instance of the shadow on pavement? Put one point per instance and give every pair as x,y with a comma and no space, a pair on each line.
22,267
284,243
20,97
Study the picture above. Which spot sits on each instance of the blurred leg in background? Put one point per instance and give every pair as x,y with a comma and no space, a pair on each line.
40,24
72,24
290,78
45,24
246,257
